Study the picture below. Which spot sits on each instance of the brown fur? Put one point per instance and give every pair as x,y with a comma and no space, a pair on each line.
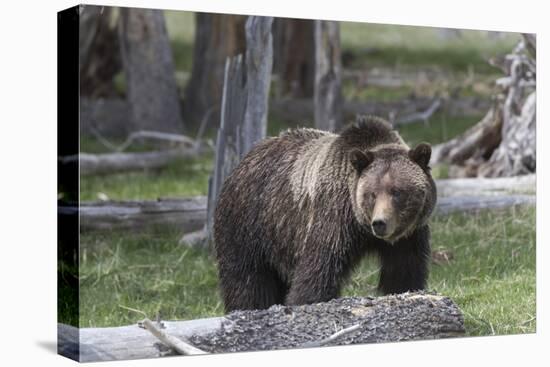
295,216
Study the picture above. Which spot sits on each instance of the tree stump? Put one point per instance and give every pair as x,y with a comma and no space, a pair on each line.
503,143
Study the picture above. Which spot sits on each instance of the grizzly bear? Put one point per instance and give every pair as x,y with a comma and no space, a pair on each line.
301,209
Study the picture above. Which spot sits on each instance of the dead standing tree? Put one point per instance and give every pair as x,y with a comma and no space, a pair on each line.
503,143
244,109
328,76
151,88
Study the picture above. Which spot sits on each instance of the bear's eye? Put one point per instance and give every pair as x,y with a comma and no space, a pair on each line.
395,193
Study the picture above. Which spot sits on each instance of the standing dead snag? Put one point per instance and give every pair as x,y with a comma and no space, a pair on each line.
503,143
328,76
244,106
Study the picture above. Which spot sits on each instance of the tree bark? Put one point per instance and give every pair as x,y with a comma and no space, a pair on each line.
217,37
259,63
98,51
151,88
328,76
294,57
244,107
408,316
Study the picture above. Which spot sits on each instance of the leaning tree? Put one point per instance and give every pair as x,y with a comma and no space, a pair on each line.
503,143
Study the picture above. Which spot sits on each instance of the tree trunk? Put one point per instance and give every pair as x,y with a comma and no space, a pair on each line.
504,142
244,106
259,63
328,76
151,87
217,37
294,57
98,51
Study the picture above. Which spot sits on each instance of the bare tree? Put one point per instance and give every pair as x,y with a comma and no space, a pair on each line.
217,36
151,88
328,76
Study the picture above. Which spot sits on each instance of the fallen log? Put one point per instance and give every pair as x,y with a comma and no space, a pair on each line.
99,164
487,186
408,316
186,214
189,214
455,204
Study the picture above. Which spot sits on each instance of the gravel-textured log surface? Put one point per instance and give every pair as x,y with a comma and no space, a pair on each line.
409,316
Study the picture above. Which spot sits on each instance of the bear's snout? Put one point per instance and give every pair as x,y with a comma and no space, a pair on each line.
379,227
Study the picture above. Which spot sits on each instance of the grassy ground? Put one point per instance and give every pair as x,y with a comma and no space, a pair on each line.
491,275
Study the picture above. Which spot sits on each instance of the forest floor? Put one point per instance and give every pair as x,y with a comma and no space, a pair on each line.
491,271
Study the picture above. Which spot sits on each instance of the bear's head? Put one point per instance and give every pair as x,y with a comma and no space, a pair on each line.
394,191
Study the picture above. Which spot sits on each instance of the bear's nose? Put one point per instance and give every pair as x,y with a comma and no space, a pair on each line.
379,227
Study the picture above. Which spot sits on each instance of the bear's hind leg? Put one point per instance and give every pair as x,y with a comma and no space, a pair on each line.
251,290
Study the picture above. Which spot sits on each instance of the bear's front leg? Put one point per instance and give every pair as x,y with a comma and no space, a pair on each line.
405,263
314,281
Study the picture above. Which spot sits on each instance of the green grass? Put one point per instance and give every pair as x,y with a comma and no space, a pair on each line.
149,272
185,177
491,275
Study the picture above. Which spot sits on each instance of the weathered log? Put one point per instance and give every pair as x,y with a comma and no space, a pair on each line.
186,214
99,164
455,204
408,316
487,186
328,76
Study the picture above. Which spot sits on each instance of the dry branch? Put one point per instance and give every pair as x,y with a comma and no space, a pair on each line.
171,341
408,316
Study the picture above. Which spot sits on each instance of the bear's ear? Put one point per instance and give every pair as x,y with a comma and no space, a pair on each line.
421,154
360,160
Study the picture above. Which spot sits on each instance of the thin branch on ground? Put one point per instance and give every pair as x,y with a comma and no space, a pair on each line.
171,341
333,337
